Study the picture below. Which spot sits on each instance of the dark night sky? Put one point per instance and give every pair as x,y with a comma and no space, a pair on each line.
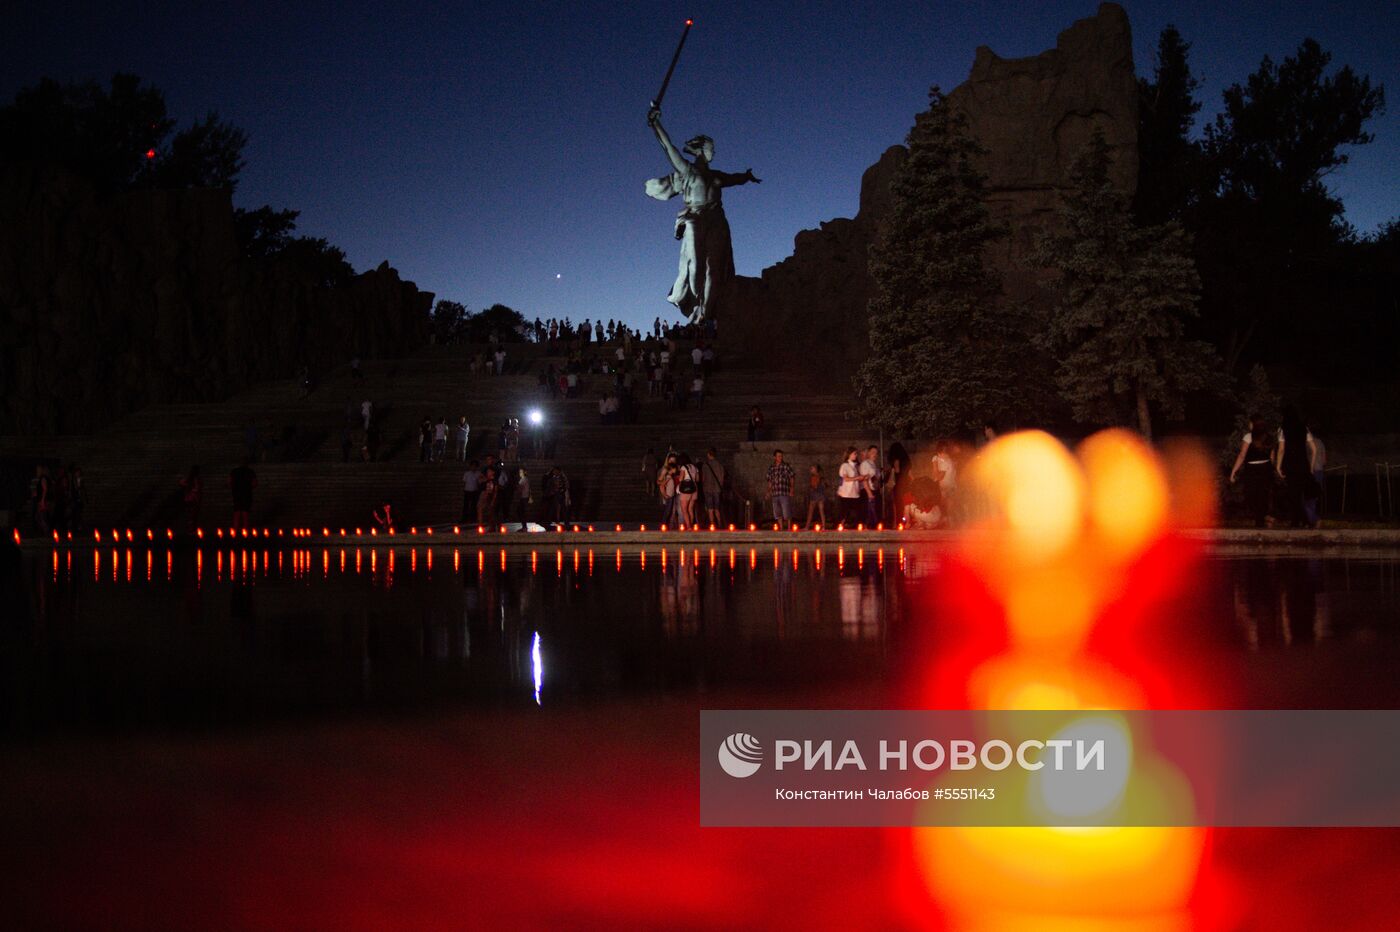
496,151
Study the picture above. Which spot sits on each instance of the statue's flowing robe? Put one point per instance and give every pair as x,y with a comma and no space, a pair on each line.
707,256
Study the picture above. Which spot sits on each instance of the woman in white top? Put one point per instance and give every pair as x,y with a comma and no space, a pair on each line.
848,492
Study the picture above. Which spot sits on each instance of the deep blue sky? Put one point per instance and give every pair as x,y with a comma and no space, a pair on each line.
486,148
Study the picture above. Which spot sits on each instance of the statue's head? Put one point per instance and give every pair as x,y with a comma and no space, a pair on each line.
701,147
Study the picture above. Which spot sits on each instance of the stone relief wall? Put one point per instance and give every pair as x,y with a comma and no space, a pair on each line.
1032,115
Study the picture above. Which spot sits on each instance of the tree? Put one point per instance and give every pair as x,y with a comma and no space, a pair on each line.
264,232
209,154
316,260
104,136
119,138
1169,162
448,318
504,321
1268,225
946,353
1124,293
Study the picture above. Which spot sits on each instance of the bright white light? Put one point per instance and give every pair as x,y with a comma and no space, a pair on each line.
536,416
537,661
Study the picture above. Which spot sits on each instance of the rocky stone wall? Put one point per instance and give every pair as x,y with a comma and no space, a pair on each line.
1032,115
110,304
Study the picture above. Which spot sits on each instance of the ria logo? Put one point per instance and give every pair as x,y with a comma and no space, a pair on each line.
740,755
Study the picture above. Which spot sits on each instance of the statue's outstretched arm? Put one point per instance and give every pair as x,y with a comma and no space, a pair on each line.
678,161
731,179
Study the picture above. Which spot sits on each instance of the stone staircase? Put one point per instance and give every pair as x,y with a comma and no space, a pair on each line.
132,469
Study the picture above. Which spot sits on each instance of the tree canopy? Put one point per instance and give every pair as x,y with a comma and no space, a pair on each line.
946,353
1169,170
119,137
1124,293
1268,227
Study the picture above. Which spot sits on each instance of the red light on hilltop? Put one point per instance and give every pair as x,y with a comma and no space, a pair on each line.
151,153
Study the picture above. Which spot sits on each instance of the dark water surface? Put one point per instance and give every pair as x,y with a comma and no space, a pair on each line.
126,640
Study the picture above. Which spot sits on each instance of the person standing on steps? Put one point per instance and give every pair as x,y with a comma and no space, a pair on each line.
714,482
471,491
523,498
667,480
460,439
486,501
816,496
870,485
440,440
755,424
848,491
780,479
688,490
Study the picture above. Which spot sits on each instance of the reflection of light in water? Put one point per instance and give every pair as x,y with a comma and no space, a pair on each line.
537,663
1061,534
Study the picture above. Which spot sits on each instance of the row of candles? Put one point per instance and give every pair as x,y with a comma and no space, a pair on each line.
301,560
131,536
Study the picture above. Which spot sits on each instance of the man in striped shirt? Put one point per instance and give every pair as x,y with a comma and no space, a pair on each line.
780,479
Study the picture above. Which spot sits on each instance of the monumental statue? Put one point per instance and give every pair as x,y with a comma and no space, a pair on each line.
707,259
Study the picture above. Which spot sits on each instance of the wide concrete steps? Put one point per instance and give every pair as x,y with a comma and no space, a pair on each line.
132,470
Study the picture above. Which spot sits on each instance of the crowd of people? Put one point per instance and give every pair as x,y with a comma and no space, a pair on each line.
869,490
866,489
499,491
555,331
1281,470
56,502
657,369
